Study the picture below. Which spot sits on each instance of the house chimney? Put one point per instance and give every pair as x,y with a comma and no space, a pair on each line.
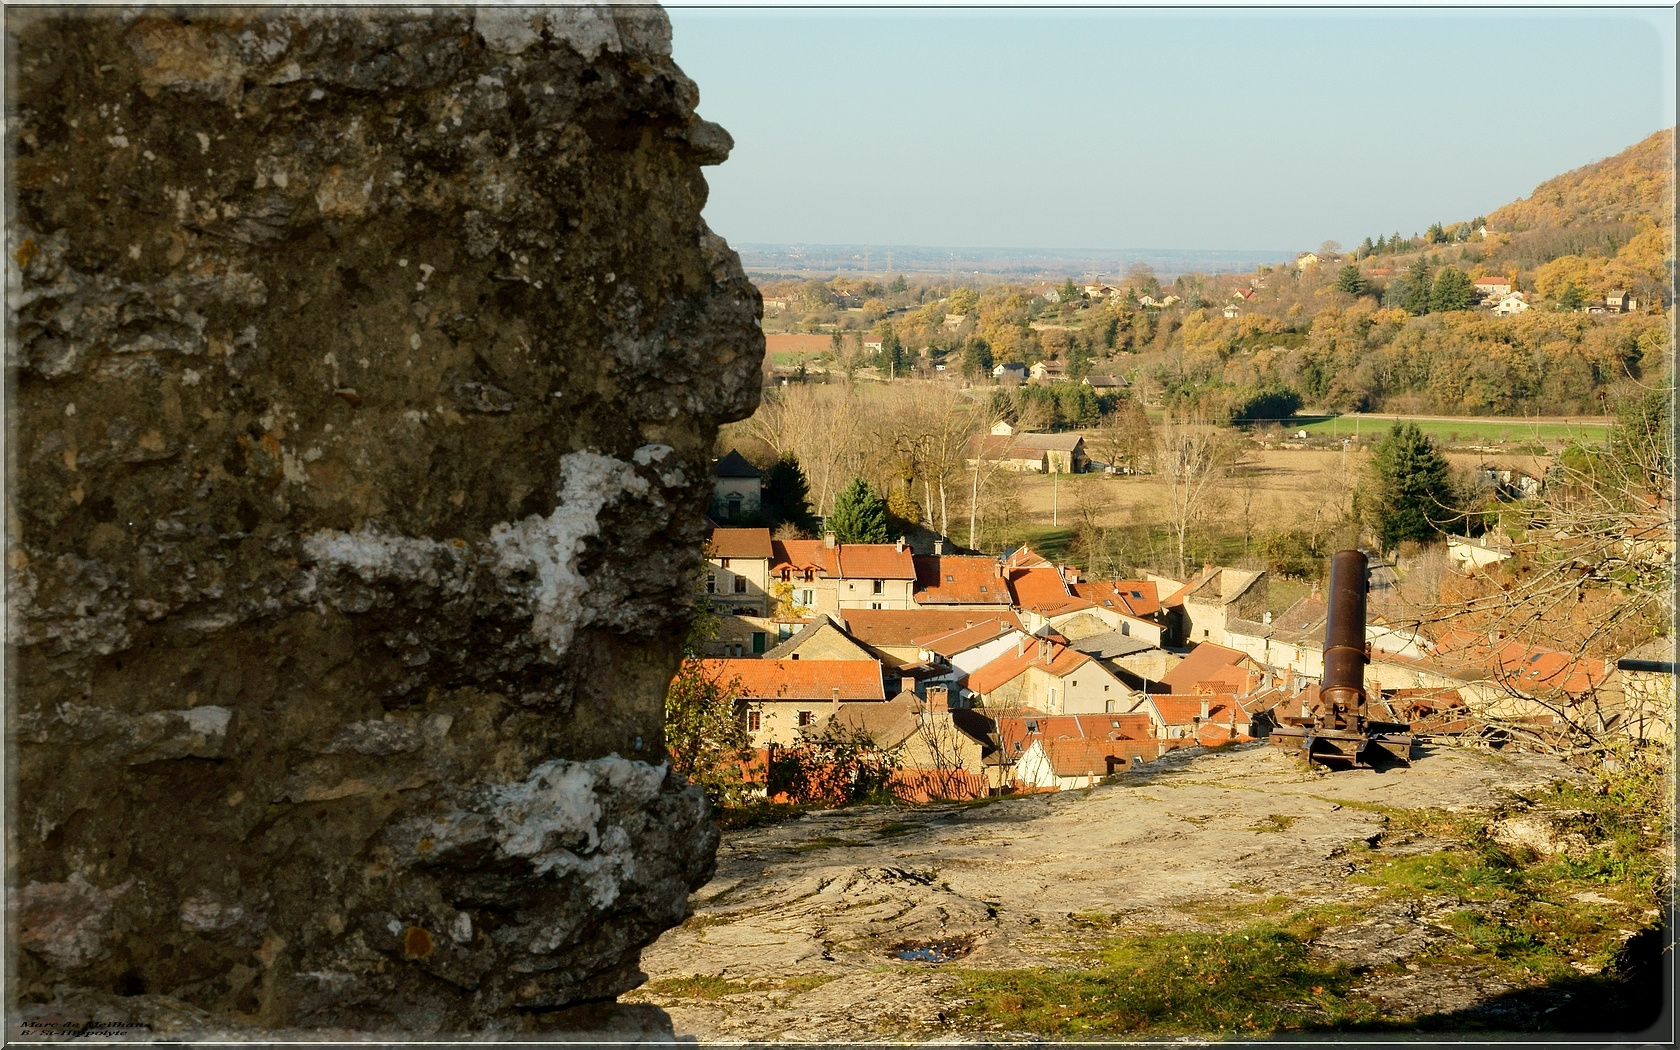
828,540
899,546
907,685
938,699
1204,711
1044,650
1021,645
836,698
938,547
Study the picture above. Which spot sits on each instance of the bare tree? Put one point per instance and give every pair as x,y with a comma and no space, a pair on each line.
1189,457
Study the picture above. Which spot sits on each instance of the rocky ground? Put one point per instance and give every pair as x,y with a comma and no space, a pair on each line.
803,933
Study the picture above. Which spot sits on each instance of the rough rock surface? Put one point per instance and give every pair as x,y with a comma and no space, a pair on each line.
365,367
807,918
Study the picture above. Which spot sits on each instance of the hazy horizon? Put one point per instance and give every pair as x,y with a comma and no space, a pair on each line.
1198,129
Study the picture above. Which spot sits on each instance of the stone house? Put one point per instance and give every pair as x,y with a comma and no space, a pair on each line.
737,488
782,698
738,580
1051,677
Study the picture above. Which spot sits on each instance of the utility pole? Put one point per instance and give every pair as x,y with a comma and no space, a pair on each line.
974,497
1054,520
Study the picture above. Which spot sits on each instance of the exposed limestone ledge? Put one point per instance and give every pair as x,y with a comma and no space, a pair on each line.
366,368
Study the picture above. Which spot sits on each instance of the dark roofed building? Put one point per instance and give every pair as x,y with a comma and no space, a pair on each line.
737,488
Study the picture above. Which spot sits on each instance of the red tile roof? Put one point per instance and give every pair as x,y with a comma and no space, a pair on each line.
1078,758
879,561
741,543
1021,728
959,580
1524,667
1177,710
791,680
1038,588
949,643
799,555
1136,597
901,627
1006,668
1203,660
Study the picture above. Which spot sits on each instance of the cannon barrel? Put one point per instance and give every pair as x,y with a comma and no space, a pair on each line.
1345,651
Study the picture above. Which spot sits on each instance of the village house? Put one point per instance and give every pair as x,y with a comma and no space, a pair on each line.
1178,716
1198,611
1130,607
957,654
746,636
782,698
736,488
1204,663
1513,303
1046,674
775,304
1492,285
895,635
821,639
1620,302
954,321
1063,453
1010,370
1048,372
738,581
1306,260
1051,752
1230,312
1106,383
1244,294
828,576
1470,556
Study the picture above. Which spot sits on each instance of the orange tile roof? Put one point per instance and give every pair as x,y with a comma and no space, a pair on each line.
901,627
1178,710
857,561
1136,597
1077,758
741,543
1009,666
799,555
949,643
792,680
1525,667
1021,728
1024,557
1203,660
1038,588
959,580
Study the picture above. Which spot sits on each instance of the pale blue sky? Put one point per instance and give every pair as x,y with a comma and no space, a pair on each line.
1244,129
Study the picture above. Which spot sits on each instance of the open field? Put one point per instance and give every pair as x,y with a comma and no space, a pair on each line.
1228,892
1450,430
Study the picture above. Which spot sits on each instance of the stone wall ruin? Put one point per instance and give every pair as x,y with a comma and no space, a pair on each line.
364,370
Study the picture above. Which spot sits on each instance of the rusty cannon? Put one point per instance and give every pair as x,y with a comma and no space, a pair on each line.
1334,730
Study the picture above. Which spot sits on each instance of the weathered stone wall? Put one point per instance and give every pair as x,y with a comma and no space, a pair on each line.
364,369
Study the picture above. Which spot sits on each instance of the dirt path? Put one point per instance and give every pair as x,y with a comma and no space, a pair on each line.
798,936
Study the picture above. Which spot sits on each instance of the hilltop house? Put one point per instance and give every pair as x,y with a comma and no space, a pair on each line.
1493,285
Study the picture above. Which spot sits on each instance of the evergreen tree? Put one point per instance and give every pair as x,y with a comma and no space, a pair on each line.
1351,281
976,358
1452,290
787,495
892,353
860,516
1571,299
1366,248
898,285
1070,291
1410,493
1382,244
1397,243
1435,234
1418,287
